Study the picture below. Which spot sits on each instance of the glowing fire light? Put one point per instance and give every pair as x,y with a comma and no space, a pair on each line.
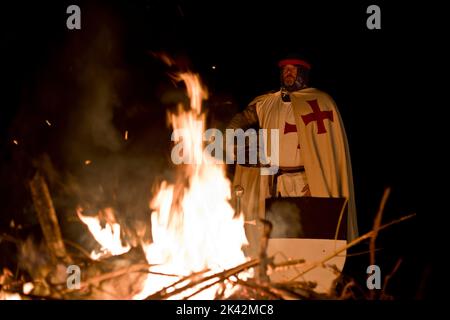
28,287
193,225
126,135
48,123
108,237
9,296
16,142
194,228
87,162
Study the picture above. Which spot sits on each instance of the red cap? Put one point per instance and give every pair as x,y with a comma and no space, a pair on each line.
294,62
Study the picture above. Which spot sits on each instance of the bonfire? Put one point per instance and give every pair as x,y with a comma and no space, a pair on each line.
197,243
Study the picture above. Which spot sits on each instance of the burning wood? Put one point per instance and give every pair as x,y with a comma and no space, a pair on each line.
47,218
217,278
107,280
108,236
194,227
198,237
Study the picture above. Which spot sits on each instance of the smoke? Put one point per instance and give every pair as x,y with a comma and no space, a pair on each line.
285,219
71,126
33,256
105,169
89,87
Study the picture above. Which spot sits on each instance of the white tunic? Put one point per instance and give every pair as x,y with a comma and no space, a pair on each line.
323,150
280,115
289,145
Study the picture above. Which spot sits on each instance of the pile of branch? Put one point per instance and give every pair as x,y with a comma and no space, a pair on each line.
122,277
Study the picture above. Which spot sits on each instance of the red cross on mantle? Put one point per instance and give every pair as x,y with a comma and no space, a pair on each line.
317,115
288,127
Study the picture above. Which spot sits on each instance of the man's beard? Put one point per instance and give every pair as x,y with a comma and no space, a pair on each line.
300,82
286,89
296,85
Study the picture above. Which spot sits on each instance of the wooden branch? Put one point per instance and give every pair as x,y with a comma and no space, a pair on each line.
221,275
79,248
142,267
377,224
384,296
351,244
288,264
47,218
375,229
256,286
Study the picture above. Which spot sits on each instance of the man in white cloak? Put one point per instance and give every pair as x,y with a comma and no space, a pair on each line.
313,158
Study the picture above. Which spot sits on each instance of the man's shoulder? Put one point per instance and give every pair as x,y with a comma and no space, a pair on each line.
264,96
314,92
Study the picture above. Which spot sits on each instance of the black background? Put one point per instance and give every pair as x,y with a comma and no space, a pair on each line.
376,77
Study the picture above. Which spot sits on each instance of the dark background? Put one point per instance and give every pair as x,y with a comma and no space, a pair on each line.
93,84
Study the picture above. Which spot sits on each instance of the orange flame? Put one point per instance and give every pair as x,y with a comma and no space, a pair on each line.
193,225
108,237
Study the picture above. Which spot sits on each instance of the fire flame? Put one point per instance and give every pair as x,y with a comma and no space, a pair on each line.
108,237
194,228
193,225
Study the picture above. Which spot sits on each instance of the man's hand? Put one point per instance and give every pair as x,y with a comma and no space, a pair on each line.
244,119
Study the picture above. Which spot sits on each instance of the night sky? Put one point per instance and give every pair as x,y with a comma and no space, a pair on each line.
49,71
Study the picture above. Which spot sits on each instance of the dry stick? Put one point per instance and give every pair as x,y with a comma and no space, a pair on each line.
362,252
204,288
283,293
286,290
346,288
162,292
356,286
376,227
389,276
78,247
287,264
47,218
181,280
113,274
256,286
351,244
222,275
221,279
340,219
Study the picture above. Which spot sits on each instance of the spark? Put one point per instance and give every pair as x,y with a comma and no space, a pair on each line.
48,123
87,162
126,135
16,142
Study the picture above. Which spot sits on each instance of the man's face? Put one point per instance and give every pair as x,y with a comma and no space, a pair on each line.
289,74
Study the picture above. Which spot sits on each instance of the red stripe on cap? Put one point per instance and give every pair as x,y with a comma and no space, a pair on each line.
285,62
